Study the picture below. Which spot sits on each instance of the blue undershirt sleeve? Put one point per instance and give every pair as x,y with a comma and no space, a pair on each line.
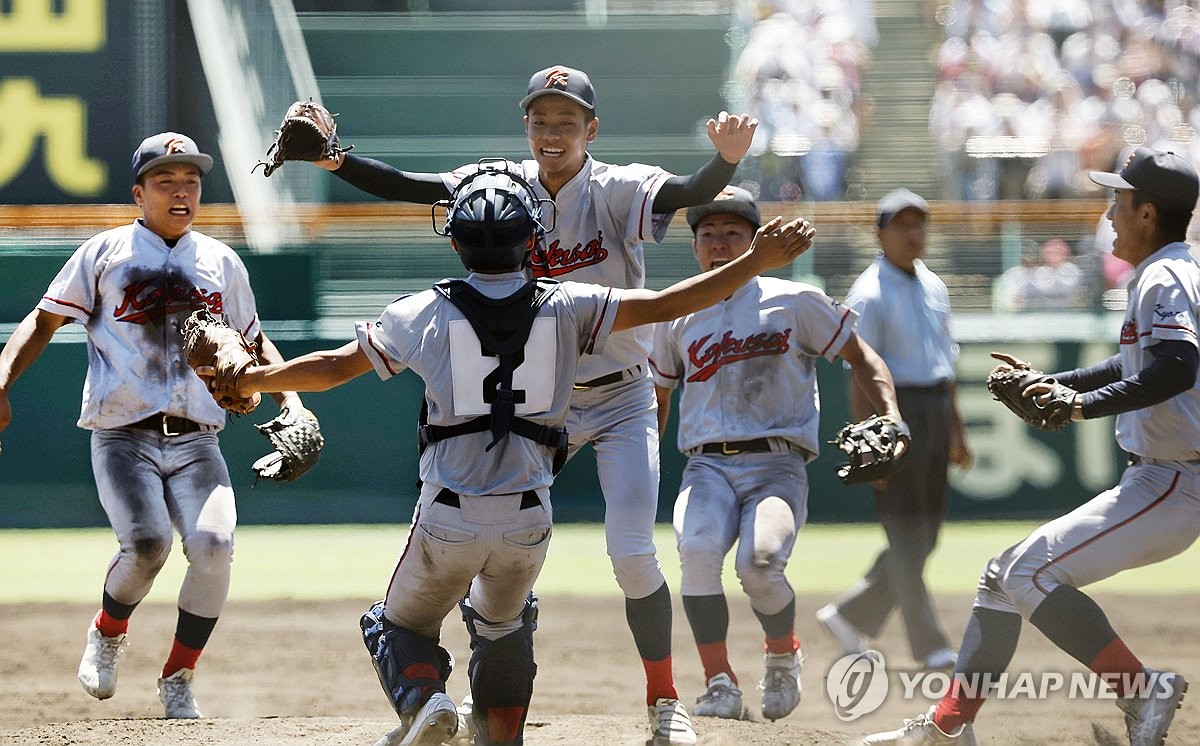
1171,372
380,179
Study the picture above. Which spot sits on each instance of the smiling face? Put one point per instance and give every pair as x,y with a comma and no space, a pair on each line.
721,238
559,131
169,197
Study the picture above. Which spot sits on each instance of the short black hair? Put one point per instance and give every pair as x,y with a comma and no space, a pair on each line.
1172,222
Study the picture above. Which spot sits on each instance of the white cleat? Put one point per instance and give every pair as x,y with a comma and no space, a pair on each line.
1147,718
175,692
435,724
670,724
922,731
722,700
98,667
780,685
843,631
466,722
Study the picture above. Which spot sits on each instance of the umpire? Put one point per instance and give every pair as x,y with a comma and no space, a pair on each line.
904,314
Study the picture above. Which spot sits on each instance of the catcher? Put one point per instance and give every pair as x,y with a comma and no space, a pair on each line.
746,479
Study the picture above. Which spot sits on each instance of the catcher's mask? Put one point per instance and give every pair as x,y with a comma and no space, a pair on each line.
491,217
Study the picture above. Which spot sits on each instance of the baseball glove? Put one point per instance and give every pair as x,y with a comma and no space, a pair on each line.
209,341
871,447
296,437
307,133
1008,384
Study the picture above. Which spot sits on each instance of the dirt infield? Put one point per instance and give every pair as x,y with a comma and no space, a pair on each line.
297,673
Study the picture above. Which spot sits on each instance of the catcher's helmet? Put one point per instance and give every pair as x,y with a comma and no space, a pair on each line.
491,218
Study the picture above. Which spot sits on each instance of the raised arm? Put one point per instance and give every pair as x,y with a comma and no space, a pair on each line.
384,181
775,245
731,135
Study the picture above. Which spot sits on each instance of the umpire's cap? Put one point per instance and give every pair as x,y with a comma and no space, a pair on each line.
1161,177
731,201
564,81
491,218
168,147
897,201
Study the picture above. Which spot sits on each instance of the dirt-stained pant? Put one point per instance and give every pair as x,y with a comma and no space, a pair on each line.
149,482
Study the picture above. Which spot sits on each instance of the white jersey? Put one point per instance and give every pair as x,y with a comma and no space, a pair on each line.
748,364
598,224
132,292
430,335
1163,298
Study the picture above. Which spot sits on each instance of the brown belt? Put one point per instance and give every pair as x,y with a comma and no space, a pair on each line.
169,425
529,499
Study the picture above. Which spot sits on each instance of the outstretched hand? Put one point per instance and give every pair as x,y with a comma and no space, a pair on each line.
732,134
777,243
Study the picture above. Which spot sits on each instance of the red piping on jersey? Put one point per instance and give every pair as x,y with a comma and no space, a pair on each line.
1174,327
246,331
661,372
838,333
69,305
407,544
379,350
1158,501
591,345
642,214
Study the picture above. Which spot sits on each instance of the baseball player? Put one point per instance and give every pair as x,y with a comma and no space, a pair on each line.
492,434
745,480
154,425
1152,514
602,214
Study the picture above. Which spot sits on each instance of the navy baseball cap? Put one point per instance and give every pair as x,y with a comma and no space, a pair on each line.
731,201
168,147
1162,177
564,81
897,201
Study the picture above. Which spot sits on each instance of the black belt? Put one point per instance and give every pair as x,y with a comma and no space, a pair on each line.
529,499
168,425
610,378
734,447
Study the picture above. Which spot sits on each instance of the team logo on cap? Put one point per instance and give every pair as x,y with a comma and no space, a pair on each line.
726,193
174,145
557,78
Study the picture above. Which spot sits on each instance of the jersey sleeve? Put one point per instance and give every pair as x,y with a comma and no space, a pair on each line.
595,312
72,292
390,341
1164,311
630,191
824,324
239,305
666,365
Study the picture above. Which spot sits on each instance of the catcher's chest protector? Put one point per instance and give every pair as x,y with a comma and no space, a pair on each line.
502,326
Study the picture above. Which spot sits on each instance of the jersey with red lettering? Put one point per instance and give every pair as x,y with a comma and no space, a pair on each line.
595,233
748,364
132,291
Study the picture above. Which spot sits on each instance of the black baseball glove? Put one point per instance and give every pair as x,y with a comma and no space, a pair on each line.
307,133
1008,384
871,447
296,436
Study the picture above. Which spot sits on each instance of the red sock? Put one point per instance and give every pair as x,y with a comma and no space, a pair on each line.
181,657
955,709
714,656
110,627
660,682
504,723
783,645
1117,665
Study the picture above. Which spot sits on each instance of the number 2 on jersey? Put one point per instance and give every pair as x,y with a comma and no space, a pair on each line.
476,374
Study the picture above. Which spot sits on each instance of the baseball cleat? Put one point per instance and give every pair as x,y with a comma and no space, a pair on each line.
98,667
435,724
670,724
175,692
940,659
1147,718
466,722
780,684
843,631
921,730
722,700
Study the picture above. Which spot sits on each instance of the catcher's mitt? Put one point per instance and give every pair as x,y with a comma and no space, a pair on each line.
307,133
209,341
296,437
1008,384
870,446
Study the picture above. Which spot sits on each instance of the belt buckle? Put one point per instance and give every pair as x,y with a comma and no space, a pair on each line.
166,430
726,452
